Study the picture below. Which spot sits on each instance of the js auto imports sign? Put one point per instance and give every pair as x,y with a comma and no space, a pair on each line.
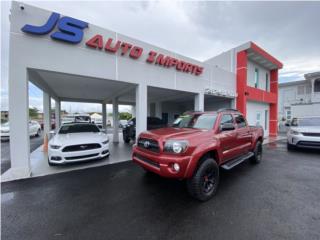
71,30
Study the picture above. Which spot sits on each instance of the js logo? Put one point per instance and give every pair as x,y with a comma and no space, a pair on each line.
69,29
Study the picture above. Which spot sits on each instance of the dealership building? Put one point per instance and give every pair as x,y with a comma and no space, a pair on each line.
72,60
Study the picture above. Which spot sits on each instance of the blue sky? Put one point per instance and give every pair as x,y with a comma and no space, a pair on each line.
200,30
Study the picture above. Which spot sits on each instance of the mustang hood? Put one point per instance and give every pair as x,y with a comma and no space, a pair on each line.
78,138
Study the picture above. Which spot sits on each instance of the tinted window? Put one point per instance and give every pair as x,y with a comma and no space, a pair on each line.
78,128
154,121
241,122
227,118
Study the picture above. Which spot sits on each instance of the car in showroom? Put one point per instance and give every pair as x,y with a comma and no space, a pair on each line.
70,118
34,130
304,132
197,145
129,130
76,142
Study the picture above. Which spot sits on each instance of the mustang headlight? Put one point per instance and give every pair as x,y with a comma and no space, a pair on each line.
175,146
294,132
105,142
55,146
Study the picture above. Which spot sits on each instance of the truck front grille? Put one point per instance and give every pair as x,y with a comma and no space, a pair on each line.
148,144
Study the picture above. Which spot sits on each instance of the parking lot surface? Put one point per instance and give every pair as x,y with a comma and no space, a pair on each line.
277,199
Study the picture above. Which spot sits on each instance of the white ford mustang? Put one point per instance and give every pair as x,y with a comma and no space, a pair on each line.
76,142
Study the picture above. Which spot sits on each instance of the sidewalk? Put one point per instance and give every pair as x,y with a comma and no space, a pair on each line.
273,139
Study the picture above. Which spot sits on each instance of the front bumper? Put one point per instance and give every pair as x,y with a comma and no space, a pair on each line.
56,156
302,141
161,164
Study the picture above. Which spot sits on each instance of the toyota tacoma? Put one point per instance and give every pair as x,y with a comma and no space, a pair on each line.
196,146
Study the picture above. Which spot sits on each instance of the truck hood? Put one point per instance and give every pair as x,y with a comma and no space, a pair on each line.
78,138
173,133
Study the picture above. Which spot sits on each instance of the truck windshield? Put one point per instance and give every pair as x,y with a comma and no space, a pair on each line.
201,121
308,122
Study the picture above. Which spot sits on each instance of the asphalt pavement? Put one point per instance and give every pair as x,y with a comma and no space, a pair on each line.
277,199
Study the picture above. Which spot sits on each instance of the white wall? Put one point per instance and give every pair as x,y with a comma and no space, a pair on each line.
253,108
262,75
289,95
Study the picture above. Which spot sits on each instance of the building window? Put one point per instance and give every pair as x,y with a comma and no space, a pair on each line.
267,83
256,77
258,119
317,85
300,90
288,113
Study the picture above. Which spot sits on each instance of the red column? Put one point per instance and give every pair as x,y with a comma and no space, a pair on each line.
273,121
242,61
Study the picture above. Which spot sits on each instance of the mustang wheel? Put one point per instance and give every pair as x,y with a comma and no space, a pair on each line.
204,183
257,153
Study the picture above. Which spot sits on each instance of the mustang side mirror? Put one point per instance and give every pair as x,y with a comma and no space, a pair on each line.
227,127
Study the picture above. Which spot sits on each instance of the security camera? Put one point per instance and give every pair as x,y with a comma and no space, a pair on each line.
21,6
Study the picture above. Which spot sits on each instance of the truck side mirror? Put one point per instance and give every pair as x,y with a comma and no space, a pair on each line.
227,127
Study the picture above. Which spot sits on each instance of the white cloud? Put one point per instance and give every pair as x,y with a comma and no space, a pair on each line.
200,30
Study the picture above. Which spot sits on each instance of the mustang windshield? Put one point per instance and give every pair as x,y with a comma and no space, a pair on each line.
201,121
78,128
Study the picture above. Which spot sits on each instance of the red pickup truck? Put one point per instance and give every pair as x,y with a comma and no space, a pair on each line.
196,146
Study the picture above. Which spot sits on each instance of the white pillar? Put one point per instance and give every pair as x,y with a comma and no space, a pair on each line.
199,102
57,113
312,90
141,108
158,109
115,116
133,111
104,116
46,114
233,103
19,123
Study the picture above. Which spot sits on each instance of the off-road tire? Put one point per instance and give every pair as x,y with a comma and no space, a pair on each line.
257,157
198,185
126,137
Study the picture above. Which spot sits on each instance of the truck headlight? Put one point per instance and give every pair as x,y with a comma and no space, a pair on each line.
55,146
175,146
294,132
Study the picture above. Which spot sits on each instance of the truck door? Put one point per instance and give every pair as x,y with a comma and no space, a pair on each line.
244,135
228,138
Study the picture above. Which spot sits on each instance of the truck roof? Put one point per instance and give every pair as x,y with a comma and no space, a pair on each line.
217,111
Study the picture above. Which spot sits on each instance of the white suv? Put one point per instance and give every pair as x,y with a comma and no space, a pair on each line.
304,132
